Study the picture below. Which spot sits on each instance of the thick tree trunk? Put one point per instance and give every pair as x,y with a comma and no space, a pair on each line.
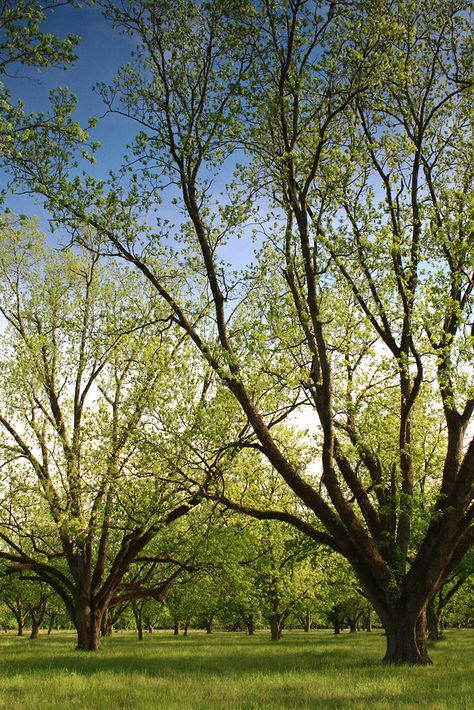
88,627
353,624
209,626
276,626
307,621
337,626
406,638
176,627
20,626
186,627
250,626
35,629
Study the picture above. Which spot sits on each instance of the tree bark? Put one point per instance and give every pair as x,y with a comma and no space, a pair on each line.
137,613
276,626
88,627
35,629
250,625
432,621
307,621
406,637
176,628
52,620
368,621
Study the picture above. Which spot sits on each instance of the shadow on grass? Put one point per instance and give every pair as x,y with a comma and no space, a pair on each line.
220,655
231,671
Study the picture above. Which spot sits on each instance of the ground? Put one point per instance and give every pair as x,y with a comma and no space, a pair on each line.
231,670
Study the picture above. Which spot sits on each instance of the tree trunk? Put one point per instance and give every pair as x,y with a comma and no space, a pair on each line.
186,627
137,613
250,626
406,638
19,617
208,626
307,621
352,624
433,622
368,621
52,620
337,625
88,627
35,629
106,625
276,626
176,628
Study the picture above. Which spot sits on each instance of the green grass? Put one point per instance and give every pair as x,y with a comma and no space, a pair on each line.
316,670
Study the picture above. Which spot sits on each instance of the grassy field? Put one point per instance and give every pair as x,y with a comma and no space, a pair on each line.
316,670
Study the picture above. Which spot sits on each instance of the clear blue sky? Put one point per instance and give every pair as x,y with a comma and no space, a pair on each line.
101,52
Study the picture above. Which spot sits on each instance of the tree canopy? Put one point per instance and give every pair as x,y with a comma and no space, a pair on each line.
339,135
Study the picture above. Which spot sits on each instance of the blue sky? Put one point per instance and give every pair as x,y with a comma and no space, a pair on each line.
101,52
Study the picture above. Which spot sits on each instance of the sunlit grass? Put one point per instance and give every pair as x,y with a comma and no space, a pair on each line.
316,670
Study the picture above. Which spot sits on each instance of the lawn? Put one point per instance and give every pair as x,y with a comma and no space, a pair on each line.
231,670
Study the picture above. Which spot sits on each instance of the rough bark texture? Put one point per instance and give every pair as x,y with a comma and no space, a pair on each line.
406,638
88,627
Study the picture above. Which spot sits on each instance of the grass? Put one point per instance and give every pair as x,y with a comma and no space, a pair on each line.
227,670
